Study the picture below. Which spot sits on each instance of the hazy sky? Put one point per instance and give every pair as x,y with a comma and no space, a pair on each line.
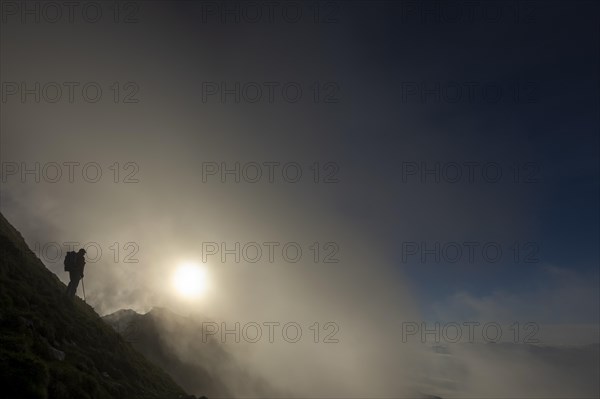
448,157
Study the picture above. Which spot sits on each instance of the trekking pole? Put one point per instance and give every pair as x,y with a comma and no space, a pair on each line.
83,286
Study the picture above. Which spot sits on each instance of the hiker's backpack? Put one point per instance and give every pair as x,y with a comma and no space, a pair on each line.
70,261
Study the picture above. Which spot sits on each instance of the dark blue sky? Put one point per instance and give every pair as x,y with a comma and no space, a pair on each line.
554,60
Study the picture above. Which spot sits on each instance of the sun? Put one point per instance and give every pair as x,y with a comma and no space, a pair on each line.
190,280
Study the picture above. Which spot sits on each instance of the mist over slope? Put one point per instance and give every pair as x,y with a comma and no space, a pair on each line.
201,362
52,347
195,360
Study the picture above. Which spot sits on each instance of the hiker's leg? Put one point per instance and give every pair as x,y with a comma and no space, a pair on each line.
70,290
72,287
75,285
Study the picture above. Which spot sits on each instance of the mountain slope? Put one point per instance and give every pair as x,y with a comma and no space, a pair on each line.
52,347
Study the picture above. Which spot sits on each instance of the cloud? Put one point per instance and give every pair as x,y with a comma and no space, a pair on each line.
514,371
558,295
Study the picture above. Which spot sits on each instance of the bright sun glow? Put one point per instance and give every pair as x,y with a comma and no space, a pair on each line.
190,280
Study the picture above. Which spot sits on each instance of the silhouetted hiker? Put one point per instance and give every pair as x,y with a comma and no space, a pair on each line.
74,264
